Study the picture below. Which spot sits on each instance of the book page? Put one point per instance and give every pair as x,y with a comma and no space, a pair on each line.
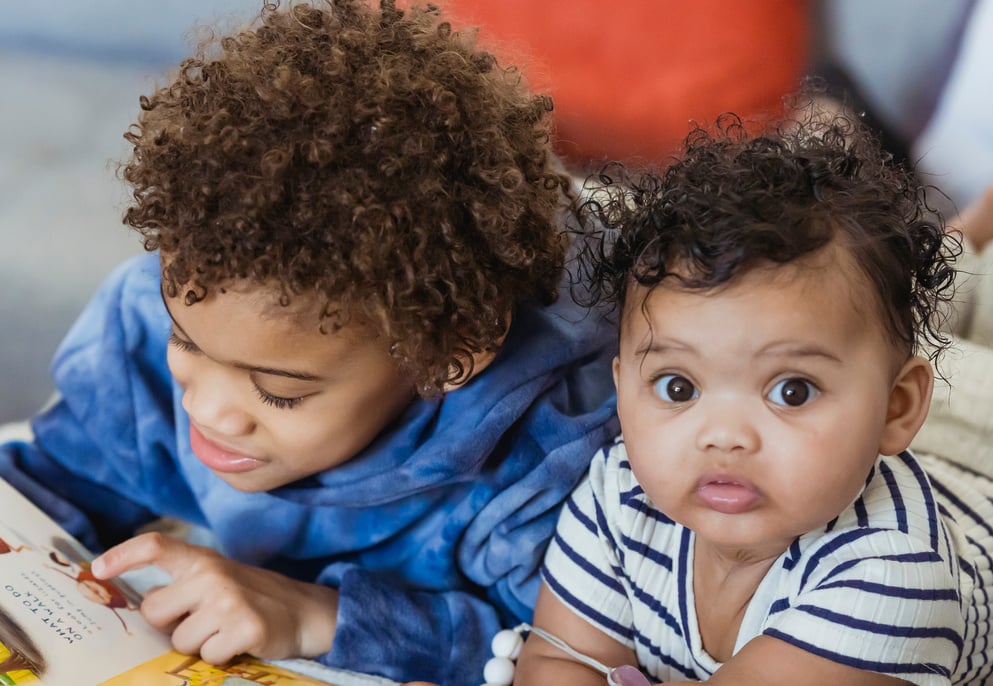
174,669
59,624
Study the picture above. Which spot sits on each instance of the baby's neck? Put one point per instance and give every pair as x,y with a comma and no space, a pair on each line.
724,582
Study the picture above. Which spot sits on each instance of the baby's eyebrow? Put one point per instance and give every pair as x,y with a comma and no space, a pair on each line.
798,350
660,348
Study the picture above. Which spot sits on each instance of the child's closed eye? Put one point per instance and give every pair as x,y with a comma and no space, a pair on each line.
182,344
279,402
270,399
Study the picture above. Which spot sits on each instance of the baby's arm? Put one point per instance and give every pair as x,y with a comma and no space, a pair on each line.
219,608
767,661
764,661
542,663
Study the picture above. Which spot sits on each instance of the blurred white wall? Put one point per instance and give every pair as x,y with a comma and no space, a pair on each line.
133,30
70,77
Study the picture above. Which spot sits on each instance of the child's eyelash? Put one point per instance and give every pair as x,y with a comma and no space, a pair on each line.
185,346
276,401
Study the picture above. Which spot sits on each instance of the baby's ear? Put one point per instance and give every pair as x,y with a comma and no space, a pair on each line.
908,406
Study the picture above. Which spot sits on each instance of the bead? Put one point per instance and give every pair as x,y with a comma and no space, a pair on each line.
499,671
507,643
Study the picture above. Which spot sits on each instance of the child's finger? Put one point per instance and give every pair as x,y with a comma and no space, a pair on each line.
192,634
165,608
231,639
144,550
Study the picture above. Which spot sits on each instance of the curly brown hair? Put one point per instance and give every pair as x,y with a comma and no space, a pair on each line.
734,201
374,158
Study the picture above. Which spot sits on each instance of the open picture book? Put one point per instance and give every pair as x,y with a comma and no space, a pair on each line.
61,626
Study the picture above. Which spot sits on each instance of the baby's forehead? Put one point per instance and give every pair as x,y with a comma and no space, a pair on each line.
832,269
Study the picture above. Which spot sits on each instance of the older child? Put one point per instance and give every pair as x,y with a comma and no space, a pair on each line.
759,520
343,358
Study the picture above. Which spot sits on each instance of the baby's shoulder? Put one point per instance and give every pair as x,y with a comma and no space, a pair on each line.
611,477
898,496
895,531
965,499
623,504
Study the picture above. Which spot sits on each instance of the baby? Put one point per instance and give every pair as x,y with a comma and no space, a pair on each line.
760,520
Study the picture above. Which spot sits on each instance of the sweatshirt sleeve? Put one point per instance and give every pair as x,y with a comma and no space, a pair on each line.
402,633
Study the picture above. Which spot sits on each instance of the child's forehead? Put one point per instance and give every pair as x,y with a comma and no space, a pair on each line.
267,300
274,303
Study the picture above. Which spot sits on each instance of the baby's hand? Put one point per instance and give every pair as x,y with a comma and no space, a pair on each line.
219,608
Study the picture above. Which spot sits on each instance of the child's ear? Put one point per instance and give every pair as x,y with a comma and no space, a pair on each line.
908,406
480,361
617,369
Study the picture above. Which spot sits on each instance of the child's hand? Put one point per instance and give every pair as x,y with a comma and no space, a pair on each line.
220,608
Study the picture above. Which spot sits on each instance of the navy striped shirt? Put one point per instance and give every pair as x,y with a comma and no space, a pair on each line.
899,583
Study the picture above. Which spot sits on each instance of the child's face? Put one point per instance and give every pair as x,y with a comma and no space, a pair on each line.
270,398
753,414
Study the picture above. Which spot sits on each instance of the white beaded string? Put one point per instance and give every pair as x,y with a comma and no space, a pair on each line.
565,647
506,646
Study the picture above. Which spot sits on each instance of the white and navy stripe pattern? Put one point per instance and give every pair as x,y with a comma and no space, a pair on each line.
900,583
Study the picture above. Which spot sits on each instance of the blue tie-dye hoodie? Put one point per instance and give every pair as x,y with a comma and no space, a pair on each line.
433,534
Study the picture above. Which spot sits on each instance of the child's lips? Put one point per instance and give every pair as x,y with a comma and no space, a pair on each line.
727,494
218,457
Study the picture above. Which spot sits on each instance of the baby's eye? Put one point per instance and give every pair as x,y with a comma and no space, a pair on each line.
674,388
793,392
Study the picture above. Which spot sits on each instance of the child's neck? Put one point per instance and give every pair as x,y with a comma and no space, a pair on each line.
723,585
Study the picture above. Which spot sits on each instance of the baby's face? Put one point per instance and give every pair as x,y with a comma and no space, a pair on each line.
753,414
270,398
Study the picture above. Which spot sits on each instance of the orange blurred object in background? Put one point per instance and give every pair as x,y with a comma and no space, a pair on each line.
628,76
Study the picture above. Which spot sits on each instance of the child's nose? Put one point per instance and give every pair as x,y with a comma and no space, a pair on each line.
211,405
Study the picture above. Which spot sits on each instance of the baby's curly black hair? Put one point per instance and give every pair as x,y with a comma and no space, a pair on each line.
372,156
732,202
